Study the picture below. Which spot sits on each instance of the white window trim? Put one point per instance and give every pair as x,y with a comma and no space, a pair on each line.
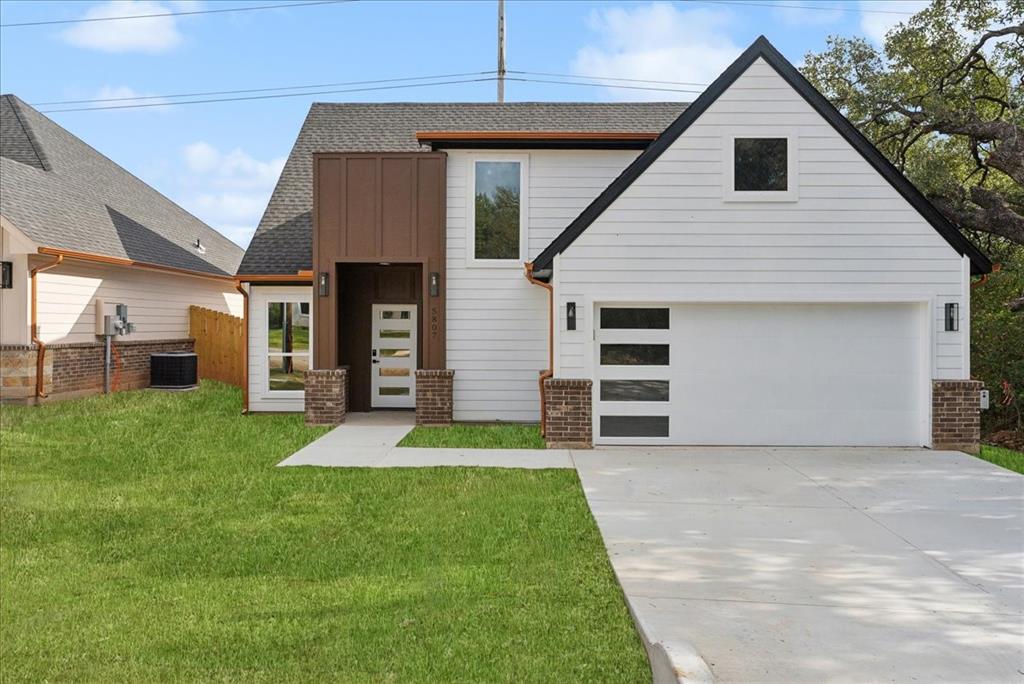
284,298
791,194
524,211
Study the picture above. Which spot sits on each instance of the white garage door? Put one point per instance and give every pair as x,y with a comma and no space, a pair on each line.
761,374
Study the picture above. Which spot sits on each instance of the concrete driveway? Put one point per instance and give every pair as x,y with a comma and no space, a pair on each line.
783,565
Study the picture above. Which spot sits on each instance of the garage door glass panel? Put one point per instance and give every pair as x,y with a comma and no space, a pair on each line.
634,354
634,319
634,390
634,426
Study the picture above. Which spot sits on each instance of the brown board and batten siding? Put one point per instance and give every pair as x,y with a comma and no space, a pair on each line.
379,208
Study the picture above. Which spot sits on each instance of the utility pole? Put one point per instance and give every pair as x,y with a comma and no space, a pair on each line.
501,50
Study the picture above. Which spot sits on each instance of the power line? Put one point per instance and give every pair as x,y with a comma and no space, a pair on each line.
176,14
608,78
266,97
604,85
825,8
258,90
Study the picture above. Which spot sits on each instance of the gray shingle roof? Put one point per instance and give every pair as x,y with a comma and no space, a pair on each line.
283,242
64,194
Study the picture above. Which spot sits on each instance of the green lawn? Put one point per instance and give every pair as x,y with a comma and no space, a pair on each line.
1006,458
465,436
147,536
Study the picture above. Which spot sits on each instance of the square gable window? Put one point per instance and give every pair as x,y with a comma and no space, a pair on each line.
760,169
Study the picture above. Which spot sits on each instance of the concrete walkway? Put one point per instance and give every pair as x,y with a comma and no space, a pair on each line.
369,440
815,565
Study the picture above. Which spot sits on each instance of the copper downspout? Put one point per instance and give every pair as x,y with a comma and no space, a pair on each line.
40,345
550,372
245,347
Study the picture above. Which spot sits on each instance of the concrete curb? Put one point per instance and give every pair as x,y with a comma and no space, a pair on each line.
673,662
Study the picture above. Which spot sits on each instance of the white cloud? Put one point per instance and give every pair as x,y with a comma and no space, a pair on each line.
228,190
875,20
152,34
658,42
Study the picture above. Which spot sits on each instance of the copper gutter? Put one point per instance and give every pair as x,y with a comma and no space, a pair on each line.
245,347
40,345
984,279
298,277
549,372
119,261
585,136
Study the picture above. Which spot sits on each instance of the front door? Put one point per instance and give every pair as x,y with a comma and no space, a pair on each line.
393,356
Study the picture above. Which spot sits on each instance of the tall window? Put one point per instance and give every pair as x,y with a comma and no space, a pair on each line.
497,210
287,345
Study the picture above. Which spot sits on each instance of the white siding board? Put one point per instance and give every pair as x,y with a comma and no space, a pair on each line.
157,302
497,321
670,237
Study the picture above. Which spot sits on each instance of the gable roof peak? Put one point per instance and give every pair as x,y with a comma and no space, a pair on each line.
762,48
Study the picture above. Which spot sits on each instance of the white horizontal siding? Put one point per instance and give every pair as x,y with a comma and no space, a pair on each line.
496,321
157,302
671,237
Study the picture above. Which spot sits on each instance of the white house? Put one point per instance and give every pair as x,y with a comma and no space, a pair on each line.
747,269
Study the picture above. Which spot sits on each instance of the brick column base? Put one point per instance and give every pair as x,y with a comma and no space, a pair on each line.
568,420
434,403
956,415
326,396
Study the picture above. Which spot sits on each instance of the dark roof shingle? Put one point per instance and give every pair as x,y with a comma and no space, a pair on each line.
64,194
283,242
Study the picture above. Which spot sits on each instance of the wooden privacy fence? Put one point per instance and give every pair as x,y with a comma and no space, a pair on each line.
219,340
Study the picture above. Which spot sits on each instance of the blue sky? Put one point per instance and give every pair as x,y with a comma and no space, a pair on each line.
220,161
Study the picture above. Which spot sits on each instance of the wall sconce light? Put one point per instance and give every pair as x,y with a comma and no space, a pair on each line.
570,316
323,284
435,284
952,317
6,275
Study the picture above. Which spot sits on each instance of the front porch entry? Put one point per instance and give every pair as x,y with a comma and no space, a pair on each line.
378,333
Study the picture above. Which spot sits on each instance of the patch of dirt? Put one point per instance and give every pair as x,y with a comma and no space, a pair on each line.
1009,439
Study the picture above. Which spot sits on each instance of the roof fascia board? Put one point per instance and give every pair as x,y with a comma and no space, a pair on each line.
120,261
762,48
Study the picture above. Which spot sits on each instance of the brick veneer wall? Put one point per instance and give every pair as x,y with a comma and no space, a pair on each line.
434,397
568,408
956,415
78,368
75,369
326,400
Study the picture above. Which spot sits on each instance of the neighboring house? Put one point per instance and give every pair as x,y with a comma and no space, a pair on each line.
744,270
93,232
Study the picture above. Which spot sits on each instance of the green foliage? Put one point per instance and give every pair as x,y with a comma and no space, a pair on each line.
497,224
149,537
1004,458
465,436
997,346
943,103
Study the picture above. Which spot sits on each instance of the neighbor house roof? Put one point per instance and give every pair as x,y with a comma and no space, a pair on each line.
763,49
283,243
65,195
